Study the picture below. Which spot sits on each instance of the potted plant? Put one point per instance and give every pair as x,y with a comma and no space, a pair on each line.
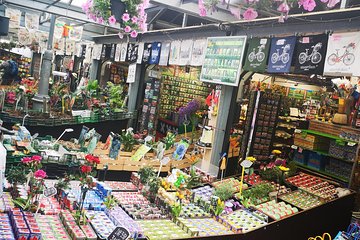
127,140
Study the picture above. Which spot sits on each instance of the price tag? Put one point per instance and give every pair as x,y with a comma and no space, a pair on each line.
246,163
297,131
300,150
294,147
49,192
119,233
165,160
351,144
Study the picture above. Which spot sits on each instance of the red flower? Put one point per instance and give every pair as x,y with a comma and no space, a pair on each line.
96,160
86,169
40,174
36,158
89,158
26,160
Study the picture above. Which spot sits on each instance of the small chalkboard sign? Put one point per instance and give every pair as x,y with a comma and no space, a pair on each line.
119,233
49,192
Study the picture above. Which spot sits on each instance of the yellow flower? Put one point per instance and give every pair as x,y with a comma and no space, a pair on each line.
181,196
284,169
218,201
177,194
252,159
276,152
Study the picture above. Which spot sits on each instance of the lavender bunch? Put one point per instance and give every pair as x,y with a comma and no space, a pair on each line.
190,109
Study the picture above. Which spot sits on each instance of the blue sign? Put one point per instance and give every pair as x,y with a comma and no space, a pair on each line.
281,54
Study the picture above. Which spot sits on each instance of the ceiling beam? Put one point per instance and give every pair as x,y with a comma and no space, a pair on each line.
191,8
52,4
157,15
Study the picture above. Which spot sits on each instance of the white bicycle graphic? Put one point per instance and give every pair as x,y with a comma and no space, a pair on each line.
259,56
315,57
284,57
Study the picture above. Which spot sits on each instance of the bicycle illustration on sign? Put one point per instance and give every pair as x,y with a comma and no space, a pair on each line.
284,56
347,57
315,57
259,56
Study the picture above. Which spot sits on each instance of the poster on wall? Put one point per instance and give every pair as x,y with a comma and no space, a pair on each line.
174,56
117,53
155,53
310,54
343,54
75,33
32,21
257,54
131,73
140,53
24,36
96,52
59,29
223,60
58,45
15,17
123,52
43,38
198,52
281,53
132,52
164,55
297,93
69,47
185,52
146,52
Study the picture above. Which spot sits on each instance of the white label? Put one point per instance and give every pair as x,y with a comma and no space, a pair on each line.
131,73
165,160
263,41
246,163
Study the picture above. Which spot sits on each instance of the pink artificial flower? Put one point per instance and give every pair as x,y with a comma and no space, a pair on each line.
283,8
134,19
143,27
40,174
100,20
91,16
36,158
332,3
26,160
236,12
125,17
87,5
112,20
121,35
202,12
250,14
308,5
141,9
146,3
133,34
127,29
324,1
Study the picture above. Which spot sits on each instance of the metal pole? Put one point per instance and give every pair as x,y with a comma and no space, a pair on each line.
51,32
185,19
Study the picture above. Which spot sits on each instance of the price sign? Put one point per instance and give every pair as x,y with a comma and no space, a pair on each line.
49,192
165,160
119,233
246,163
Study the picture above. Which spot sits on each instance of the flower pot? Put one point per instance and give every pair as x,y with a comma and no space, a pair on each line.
118,8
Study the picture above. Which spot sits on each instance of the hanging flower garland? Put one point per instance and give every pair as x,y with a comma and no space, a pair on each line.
252,7
132,21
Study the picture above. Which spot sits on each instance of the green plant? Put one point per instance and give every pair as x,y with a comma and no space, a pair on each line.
223,192
127,140
256,195
154,185
93,88
64,183
220,206
270,174
176,209
116,96
110,202
169,140
16,174
194,180
146,173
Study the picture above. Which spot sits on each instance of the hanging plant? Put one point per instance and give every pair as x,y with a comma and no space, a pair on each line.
132,21
252,7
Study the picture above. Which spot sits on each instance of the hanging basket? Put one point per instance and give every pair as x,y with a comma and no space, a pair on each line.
118,9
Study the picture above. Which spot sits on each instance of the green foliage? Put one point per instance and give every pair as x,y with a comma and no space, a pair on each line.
223,192
116,97
169,140
176,209
271,174
154,184
64,183
110,202
128,141
17,174
256,194
146,173
93,88
131,6
194,180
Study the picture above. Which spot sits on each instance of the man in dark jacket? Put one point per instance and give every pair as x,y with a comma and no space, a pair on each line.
10,72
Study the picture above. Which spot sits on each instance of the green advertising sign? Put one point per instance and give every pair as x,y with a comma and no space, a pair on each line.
223,60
